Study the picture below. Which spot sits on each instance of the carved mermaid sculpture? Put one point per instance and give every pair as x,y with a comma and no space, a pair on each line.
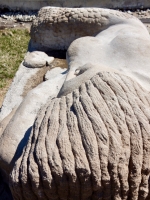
92,140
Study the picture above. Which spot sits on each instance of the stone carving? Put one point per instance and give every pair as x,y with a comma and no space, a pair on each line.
55,28
91,143
128,50
87,136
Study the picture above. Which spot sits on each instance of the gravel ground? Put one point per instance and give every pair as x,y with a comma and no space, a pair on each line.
16,19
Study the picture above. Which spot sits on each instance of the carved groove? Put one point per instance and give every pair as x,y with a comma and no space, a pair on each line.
93,143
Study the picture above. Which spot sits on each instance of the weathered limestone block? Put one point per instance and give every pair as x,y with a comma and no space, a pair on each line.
93,140
91,143
55,28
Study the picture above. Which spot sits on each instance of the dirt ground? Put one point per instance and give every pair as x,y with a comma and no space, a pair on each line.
4,23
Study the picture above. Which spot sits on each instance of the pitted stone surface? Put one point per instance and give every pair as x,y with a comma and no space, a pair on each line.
55,28
91,143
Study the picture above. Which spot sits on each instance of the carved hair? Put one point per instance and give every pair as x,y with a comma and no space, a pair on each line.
92,143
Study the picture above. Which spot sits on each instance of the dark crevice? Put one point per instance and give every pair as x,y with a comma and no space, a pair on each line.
53,174
69,108
120,131
130,162
61,54
5,192
90,120
81,133
34,142
35,157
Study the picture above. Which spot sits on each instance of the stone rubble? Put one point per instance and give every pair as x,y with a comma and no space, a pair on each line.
19,16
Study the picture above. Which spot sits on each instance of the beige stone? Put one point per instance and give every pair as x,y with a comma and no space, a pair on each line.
91,143
89,139
37,59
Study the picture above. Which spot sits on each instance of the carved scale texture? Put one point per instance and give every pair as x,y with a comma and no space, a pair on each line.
55,28
93,143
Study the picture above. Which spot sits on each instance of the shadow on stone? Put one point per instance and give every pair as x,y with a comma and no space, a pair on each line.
5,193
20,147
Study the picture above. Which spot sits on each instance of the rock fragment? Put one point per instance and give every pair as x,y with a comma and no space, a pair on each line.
37,59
